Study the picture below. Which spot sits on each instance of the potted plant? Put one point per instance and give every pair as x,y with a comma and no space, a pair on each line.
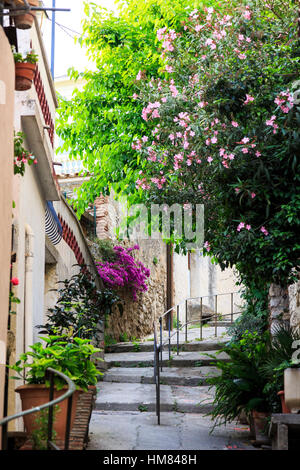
24,20
241,387
80,308
280,368
74,359
291,377
22,156
25,67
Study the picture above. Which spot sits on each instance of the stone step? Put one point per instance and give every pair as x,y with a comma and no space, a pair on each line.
142,397
193,377
146,359
148,346
184,433
226,323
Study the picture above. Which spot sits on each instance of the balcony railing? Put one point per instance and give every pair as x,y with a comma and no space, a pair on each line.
44,105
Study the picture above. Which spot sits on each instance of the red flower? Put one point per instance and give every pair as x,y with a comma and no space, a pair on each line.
15,281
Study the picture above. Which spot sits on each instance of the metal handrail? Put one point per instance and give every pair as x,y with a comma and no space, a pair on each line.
69,394
158,347
27,8
156,374
196,298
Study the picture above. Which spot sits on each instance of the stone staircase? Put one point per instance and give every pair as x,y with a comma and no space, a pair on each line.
124,415
128,384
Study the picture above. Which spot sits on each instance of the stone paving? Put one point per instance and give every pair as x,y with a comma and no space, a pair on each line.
124,416
116,430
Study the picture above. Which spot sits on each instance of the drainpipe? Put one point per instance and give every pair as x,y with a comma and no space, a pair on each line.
53,39
1,12
95,221
28,301
170,296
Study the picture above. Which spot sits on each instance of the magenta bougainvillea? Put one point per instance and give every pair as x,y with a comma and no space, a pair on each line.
124,271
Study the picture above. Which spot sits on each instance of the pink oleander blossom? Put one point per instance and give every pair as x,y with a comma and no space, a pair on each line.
207,246
264,231
248,99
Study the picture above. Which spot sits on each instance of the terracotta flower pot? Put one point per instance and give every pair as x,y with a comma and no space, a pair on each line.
24,75
36,395
25,21
260,426
292,388
284,408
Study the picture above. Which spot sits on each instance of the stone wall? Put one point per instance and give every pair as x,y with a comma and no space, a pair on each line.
136,320
284,304
294,304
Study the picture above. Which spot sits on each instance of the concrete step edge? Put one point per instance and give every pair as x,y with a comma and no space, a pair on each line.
164,407
184,347
165,363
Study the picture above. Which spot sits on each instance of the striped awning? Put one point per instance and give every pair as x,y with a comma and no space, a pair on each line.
52,224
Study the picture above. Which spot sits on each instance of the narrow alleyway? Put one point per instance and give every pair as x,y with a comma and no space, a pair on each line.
124,417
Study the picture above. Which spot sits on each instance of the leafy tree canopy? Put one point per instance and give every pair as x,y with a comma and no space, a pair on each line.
99,123
227,133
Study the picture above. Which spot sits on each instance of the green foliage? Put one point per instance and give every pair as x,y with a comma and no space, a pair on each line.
254,316
31,57
80,308
13,300
284,338
99,123
136,344
39,435
242,386
106,250
254,374
74,359
123,338
109,340
142,408
227,134
21,155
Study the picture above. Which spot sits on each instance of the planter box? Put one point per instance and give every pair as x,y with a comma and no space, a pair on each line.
37,395
79,435
25,21
24,75
292,389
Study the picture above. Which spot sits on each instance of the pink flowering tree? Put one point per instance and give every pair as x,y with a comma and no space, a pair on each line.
226,133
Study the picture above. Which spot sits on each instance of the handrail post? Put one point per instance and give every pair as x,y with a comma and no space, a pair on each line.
161,345
50,412
231,307
68,426
177,330
4,437
186,319
201,315
216,310
169,327
158,390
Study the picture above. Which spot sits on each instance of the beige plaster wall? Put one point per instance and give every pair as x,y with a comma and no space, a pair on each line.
6,158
